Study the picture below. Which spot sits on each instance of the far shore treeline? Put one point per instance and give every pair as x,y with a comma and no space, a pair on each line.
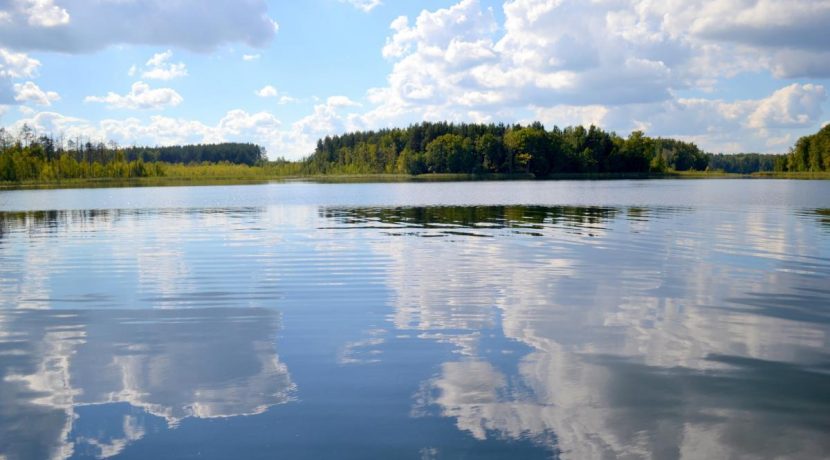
423,148
29,157
489,148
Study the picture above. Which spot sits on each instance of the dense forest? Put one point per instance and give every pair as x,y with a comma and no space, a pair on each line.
480,148
746,163
230,152
811,153
32,157
419,149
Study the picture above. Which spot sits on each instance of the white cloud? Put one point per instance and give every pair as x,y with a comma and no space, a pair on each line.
616,64
239,123
14,65
623,53
796,24
55,123
83,26
44,13
34,13
141,96
159,67
753,124
341,101
364,5
267,91
793,106
30,92
17,65
763,124
569,115
326,119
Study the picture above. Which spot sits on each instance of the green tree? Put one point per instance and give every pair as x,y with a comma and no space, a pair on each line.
492,152
449,153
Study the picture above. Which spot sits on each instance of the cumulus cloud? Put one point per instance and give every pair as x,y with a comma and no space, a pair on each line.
798,24
44,13
17,65
56,123
30,92
238,122
14,65
332,117
141,96
341,101
364,5
159,67
762,124
34,13
616,64
793,106
82,26
267,91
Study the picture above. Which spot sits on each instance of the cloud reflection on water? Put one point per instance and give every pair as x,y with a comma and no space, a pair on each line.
168,362
592,331
172,364
647,337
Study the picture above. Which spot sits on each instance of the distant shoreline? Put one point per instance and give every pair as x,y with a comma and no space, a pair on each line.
369,178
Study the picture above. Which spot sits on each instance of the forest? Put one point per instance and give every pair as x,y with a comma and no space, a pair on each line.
422,148
491,148
746,163
28,156
810,153
236,153
479,148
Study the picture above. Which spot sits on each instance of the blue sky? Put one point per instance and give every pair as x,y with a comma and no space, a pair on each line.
731,75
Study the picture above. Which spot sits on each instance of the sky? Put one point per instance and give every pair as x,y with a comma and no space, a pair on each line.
730,75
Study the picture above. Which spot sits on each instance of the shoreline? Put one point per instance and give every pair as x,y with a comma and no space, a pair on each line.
174,181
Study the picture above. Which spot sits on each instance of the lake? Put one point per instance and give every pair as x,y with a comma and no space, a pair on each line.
565,319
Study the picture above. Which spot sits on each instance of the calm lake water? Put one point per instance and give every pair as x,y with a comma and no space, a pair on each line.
578,320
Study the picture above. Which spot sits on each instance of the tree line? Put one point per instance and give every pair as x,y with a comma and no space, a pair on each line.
418,149
746,163
228,152
498,148
810,153
28,156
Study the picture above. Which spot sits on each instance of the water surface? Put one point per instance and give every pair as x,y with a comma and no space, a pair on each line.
607,319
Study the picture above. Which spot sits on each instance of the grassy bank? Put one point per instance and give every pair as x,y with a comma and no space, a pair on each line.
229,174
823,175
